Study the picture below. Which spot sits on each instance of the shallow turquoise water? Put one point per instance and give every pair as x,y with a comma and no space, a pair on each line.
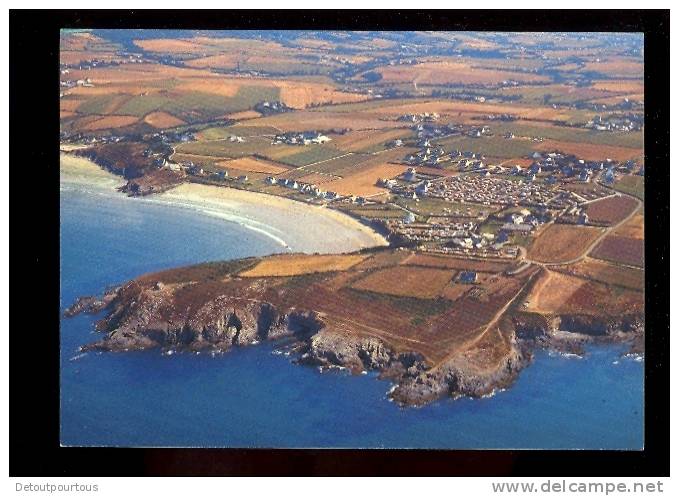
253,397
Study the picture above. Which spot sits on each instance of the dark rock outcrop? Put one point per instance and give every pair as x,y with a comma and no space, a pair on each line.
146,315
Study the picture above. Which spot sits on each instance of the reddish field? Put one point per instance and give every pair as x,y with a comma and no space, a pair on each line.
590,151
162,120
472,313
628,251
446,262
557,293
434,73
595,299
315,178
415,282
110,122
69,104
611,210
384,259
562,243
605,272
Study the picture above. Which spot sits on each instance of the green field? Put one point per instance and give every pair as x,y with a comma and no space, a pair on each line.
377,212
98,104
341,165
562,133
632,185
228,149
215,133
369,105
492,146
288,67
311,154
435,207
197,106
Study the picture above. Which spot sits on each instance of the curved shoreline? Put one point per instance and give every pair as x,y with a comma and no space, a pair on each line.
294,225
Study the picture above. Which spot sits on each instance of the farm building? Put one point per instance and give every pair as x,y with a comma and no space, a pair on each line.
467,277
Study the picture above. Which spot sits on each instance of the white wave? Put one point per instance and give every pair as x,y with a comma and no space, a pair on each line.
246,222
564,354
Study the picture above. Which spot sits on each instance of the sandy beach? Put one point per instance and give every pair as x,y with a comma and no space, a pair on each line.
80,171
292,224
307,228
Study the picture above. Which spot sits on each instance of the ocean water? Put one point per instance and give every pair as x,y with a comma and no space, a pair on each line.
254,397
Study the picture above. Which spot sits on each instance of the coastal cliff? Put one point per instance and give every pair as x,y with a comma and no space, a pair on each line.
175,312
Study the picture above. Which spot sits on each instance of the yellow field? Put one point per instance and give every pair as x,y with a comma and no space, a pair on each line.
221,61
625,86
110,122
359,140
633,228
433,73
294,265
245,114
300,95
162,120
590,151
213,86
619,67
362,183
249,164
170,46
551,292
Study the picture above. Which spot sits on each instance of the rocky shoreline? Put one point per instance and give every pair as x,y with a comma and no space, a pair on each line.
144,316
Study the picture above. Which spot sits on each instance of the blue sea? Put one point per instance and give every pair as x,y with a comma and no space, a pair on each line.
254,397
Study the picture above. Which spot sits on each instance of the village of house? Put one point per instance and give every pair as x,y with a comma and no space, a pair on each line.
476,208
482,173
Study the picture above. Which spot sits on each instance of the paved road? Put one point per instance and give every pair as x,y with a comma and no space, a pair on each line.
596,243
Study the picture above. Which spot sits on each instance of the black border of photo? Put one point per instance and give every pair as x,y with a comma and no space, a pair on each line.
34,263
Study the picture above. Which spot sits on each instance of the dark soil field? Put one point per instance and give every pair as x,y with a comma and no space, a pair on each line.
618,249
415,282
442,261
611,210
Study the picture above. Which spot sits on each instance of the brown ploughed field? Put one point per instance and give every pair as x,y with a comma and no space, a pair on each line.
414,282
611,210
618,249
562,243
601,271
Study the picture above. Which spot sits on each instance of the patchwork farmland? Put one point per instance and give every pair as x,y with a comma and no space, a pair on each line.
498,180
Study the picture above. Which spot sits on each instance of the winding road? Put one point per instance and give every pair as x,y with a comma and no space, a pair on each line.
590,248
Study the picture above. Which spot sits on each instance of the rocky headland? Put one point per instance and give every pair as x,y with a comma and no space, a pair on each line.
210,308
